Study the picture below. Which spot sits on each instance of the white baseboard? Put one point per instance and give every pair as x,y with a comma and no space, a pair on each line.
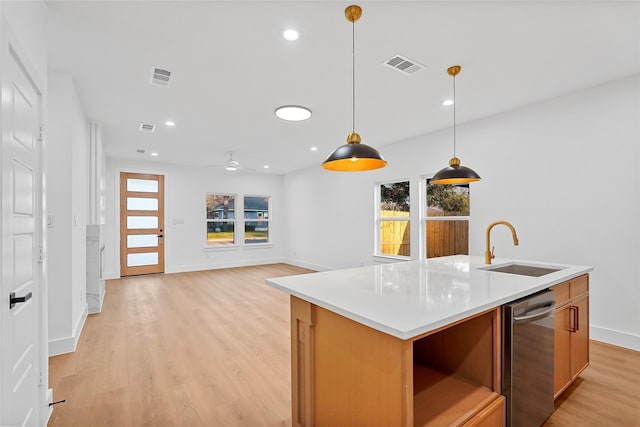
218,265
310,266
611,336
69,344
110,276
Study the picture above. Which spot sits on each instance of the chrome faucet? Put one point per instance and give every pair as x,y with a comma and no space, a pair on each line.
488,253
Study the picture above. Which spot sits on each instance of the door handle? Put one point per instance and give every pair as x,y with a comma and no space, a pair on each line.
573,320
13,300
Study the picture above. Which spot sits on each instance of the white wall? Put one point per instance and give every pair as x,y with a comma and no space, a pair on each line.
185,225
67,193
563,172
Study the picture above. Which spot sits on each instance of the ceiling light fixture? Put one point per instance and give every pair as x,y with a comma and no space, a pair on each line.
169,123
154,154
354,156
266,166
293,113
290,34
447,102
454,173
313,148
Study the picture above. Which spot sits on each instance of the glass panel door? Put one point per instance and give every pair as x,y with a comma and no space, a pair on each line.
141,224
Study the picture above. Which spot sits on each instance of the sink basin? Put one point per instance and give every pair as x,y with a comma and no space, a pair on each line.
522,269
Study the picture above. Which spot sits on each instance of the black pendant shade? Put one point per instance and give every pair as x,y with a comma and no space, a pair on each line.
455,173
354,157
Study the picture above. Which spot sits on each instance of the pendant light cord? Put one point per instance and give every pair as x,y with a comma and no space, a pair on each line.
353,74
454,116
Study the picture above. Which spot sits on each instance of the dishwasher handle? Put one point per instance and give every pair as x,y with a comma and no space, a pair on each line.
548,306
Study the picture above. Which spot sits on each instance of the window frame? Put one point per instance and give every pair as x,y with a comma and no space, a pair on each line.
269,241
214,247
378,218
424,218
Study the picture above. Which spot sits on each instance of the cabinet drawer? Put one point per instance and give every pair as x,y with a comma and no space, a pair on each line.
579,286
562,293
492,416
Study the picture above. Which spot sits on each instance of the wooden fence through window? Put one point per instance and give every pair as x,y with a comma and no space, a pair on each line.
443,237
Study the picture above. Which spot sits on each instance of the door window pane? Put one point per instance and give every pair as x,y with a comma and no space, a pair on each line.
142,204
142,185
138,222
138,260
142,240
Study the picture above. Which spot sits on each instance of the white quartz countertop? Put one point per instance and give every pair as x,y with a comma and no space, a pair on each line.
406,299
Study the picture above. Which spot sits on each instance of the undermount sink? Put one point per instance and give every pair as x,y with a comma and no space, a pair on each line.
522,269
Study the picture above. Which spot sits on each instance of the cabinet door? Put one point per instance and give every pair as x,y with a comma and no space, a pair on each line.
562,349
580,336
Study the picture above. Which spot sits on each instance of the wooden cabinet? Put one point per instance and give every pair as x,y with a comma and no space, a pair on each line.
571,331
345,373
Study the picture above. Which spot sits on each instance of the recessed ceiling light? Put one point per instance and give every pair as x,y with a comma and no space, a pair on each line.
155,154
293,113
447,102
290,34
266,166
169,123
314,148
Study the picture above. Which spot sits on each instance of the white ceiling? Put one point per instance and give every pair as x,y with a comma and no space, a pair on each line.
232,68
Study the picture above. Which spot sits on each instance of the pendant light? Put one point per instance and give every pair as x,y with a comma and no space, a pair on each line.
354,156
455,173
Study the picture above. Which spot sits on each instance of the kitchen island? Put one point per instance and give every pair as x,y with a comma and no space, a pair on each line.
403,344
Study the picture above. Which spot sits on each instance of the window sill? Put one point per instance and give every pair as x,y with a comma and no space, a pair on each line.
390,258
257,245
221,248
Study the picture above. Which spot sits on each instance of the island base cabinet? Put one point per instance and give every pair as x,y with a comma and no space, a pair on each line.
347,374
491,416
571,334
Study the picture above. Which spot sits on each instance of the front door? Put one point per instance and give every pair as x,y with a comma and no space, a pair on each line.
20,263
141,224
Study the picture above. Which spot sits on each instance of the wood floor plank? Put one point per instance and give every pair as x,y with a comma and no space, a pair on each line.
212,348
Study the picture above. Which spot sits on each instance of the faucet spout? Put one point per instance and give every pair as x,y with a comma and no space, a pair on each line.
488,253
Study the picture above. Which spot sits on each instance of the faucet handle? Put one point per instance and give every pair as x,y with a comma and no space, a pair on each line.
492,250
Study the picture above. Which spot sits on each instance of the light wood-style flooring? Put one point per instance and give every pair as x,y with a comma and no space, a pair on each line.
212,348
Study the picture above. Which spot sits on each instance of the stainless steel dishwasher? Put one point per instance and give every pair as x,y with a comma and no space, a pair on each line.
527,359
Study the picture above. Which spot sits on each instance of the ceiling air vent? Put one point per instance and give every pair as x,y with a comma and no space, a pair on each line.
160,77
140,151
146,127
404,65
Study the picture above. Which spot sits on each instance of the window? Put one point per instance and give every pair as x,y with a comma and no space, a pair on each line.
256,219
393,219
221,219
447,219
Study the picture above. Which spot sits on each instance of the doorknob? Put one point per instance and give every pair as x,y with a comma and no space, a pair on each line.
13,300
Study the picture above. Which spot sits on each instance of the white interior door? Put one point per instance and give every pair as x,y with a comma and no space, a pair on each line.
20,310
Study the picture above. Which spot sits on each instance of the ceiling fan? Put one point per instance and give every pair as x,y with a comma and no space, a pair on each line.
232,165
